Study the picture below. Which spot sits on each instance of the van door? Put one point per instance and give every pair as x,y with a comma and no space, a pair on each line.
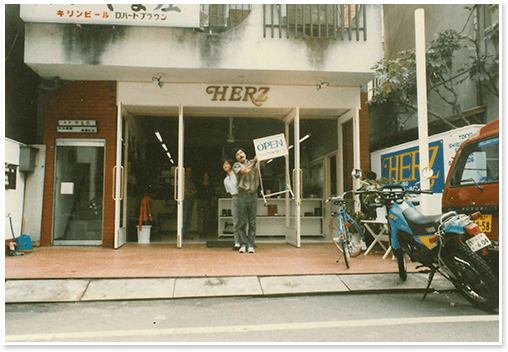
473,184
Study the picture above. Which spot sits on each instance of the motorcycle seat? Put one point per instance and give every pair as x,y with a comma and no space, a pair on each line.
424,224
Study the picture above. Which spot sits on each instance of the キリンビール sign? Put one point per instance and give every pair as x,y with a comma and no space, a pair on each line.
162,15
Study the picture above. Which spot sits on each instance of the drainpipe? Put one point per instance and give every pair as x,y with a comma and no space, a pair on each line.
41,102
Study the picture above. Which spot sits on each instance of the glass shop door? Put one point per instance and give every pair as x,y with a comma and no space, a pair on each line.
79,192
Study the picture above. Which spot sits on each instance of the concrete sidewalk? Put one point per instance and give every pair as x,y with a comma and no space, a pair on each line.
162,271
84,290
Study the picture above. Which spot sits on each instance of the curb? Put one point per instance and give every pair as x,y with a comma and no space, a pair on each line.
93,290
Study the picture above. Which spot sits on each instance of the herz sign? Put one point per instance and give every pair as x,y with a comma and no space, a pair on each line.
256,96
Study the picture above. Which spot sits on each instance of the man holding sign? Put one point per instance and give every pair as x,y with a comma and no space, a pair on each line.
246,172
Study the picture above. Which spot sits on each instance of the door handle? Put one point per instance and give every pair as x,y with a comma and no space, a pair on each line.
176,183
175,179
301,185
122,187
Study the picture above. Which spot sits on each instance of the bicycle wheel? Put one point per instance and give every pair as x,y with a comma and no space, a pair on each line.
335,232
345,251
354,231
338,232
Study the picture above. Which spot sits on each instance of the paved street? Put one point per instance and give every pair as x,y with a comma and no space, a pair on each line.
333,318
318,300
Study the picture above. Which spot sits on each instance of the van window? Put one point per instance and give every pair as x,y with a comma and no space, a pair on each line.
478,163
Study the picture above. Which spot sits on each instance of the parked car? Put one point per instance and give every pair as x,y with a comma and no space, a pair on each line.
472,185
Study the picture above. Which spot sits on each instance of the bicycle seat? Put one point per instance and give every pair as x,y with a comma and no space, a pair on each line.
424,224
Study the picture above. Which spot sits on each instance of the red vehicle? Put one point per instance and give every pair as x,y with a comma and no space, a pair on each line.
472,185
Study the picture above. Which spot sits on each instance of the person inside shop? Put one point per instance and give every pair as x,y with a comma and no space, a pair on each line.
246,172
231,188
205,197
188,202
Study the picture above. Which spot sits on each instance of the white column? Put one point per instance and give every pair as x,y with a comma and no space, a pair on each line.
181,178
421,78
356,153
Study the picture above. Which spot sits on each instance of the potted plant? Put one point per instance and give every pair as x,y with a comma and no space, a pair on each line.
366,199
367,212
145,219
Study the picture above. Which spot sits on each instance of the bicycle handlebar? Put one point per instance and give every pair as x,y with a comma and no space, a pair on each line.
339,199
394,191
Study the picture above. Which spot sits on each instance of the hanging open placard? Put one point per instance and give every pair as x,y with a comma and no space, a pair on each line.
271,147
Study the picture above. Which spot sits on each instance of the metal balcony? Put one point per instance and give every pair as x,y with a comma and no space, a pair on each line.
327,21
218,18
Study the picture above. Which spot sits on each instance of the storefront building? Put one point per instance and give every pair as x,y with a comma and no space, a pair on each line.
136,104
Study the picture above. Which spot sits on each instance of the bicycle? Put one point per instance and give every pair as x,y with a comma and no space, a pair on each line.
341,231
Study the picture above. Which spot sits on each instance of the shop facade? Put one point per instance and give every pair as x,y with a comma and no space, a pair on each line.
101,146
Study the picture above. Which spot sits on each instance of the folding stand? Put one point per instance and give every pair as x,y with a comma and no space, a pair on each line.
288,189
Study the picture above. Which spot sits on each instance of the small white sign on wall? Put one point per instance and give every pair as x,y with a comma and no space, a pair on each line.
67,188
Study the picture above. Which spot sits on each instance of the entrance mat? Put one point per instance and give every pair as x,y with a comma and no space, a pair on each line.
220,243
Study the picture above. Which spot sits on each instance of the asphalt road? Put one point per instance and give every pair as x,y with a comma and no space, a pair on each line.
338,318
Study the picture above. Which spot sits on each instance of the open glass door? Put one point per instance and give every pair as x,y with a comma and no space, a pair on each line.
119,181
293,223
331,186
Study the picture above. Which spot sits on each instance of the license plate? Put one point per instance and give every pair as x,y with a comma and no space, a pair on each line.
478,242
485,223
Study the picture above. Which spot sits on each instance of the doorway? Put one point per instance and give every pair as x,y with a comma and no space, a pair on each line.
79,192
153,158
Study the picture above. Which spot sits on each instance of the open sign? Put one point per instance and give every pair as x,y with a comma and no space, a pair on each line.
270,147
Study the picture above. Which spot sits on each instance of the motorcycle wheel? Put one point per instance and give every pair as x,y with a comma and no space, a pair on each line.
473,277
401,260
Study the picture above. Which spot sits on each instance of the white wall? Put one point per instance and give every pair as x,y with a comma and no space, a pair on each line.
32,182
14,197
125,50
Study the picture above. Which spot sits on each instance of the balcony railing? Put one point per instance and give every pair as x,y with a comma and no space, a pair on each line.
328,21
218,18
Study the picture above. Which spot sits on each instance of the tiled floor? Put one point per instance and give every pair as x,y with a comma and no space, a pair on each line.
192,260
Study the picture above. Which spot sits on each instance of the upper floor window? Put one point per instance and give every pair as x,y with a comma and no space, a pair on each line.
335,21
218,18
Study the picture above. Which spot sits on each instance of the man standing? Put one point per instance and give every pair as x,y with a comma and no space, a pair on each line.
246,172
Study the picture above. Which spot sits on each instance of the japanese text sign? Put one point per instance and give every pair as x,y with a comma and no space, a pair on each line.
270,147
166,15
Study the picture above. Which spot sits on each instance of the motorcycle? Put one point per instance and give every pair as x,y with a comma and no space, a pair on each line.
445,243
